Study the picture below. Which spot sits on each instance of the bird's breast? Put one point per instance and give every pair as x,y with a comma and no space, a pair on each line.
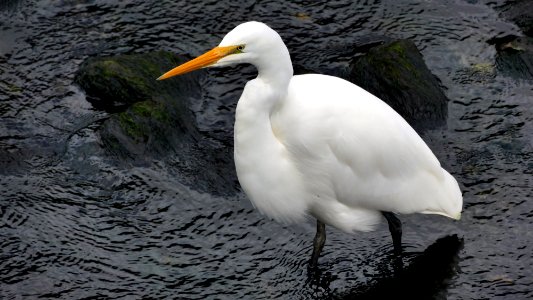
265,169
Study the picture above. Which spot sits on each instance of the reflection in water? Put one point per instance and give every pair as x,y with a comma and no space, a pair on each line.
426,277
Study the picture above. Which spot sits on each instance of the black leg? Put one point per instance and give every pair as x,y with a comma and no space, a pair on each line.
395,228
318,243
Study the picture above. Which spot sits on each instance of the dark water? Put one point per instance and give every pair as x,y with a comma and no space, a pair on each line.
74,224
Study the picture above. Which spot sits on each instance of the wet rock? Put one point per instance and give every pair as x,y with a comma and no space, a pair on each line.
148,129
151,120
354,48
114,83
396,73
150,117
515,55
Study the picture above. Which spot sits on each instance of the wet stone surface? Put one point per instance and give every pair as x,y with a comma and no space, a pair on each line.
396,73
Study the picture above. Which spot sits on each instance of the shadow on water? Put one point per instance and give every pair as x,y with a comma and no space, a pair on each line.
427,276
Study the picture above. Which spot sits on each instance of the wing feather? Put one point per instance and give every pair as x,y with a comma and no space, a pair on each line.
352,146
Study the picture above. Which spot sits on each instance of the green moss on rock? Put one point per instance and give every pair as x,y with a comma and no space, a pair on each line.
114,83
396,73
150,117
130,126
142,117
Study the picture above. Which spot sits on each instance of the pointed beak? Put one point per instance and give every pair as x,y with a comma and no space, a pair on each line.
202,61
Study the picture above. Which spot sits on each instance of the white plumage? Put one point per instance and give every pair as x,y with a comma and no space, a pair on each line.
339,153
320,145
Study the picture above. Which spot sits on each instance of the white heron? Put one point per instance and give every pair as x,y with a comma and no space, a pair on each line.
319,145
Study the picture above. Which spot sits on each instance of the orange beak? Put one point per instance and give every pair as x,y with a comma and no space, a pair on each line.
202,61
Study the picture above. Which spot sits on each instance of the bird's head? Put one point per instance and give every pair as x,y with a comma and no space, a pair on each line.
250,42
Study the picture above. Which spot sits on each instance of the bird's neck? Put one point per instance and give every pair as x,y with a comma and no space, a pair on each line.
277,72
261,160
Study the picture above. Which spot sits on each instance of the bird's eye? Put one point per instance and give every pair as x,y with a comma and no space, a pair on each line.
240,48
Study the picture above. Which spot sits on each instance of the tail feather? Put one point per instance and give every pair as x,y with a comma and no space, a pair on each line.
452,199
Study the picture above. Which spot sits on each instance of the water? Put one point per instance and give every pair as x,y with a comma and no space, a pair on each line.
76,224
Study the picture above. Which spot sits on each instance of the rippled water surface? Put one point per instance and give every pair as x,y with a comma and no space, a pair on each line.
75,224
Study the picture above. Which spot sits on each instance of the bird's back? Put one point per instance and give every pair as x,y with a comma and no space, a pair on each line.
356,153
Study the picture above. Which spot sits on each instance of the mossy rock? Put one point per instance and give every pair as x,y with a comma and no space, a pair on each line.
151,130
396,73
341,53
114,83
147,129
150,117
151,120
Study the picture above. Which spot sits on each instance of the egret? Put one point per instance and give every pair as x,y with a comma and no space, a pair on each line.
321,146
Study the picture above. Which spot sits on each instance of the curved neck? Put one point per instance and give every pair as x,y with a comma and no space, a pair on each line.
268,179
275,68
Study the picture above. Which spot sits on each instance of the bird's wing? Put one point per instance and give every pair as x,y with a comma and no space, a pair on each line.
350,144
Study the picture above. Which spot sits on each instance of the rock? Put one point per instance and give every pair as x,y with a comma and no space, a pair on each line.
148,129
151,120
303,64
515,55
114,83
151,117
521,13
396,73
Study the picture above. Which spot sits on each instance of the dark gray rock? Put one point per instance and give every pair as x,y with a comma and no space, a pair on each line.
515,55
396,73
114,83
150,117
303,63
151,120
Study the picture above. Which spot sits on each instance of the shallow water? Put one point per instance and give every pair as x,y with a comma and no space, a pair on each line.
75,224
